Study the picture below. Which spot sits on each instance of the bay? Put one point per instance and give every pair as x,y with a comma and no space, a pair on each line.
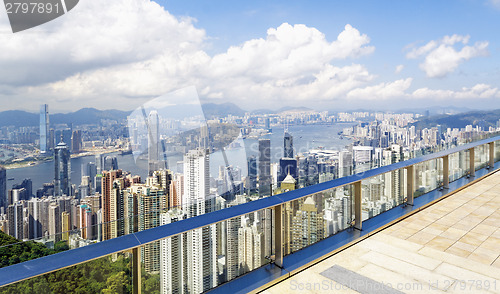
305,137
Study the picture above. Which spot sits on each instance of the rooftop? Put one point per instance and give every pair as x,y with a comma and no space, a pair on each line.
452,246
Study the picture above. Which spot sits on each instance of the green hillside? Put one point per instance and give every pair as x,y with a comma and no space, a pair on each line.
481,118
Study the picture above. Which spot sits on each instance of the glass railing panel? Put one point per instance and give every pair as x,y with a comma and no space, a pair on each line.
383,192
109,274
150,267
458,165
15,251
429,176
312,218
201,259
481,156
21,245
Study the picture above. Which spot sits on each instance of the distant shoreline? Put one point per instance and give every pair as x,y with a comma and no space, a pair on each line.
81,154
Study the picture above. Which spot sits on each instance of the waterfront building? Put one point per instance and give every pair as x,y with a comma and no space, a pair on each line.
62,163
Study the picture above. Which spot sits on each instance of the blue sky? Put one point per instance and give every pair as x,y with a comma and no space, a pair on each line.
258,54
391,26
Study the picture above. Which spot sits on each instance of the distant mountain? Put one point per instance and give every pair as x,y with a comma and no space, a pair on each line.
481,118
224,109
88,116
422,110
19,118
436,110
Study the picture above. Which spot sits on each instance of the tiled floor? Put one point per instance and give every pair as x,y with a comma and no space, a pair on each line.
452,247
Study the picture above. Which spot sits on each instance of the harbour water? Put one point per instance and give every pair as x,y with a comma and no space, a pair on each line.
305,137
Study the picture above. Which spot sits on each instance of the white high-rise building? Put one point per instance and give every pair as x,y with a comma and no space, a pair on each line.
201,243
173,269
345,164
44,128
250,247
153,140
196,183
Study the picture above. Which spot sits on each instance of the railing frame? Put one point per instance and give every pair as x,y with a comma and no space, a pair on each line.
134,241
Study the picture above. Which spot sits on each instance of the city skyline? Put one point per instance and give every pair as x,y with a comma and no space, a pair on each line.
112,202
192,145
380,55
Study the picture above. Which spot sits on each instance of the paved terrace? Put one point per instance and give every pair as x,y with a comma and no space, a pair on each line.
452,246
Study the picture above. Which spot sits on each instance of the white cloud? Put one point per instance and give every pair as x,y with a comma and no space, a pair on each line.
293,63
399,69
95,34
121,53
442,57
417,52
288,51
396,89
479,91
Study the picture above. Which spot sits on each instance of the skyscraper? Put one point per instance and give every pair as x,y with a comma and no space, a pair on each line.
287,145
176,191
151,201
153,141
196,183
51,139
55,222
44,128
76,141
287,166
62,162
15,217
201,243
110,163
264,167
345,164
252,174
91,172
116,209
3,188
64,136
250,246
108,178
26,184
308,225
346,212
173,267
65,225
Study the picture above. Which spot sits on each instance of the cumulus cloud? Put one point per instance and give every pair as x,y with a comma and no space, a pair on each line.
287,51
442,57
94,35
121,53
399,69
396,89
135,50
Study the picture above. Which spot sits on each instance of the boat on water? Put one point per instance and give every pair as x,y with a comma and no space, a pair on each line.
126,152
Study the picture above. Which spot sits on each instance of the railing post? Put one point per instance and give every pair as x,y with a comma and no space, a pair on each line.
491,163
472,160
136,270
357,205
278,235
446,172
410,180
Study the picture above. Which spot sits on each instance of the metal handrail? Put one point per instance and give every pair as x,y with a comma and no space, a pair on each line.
47,264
